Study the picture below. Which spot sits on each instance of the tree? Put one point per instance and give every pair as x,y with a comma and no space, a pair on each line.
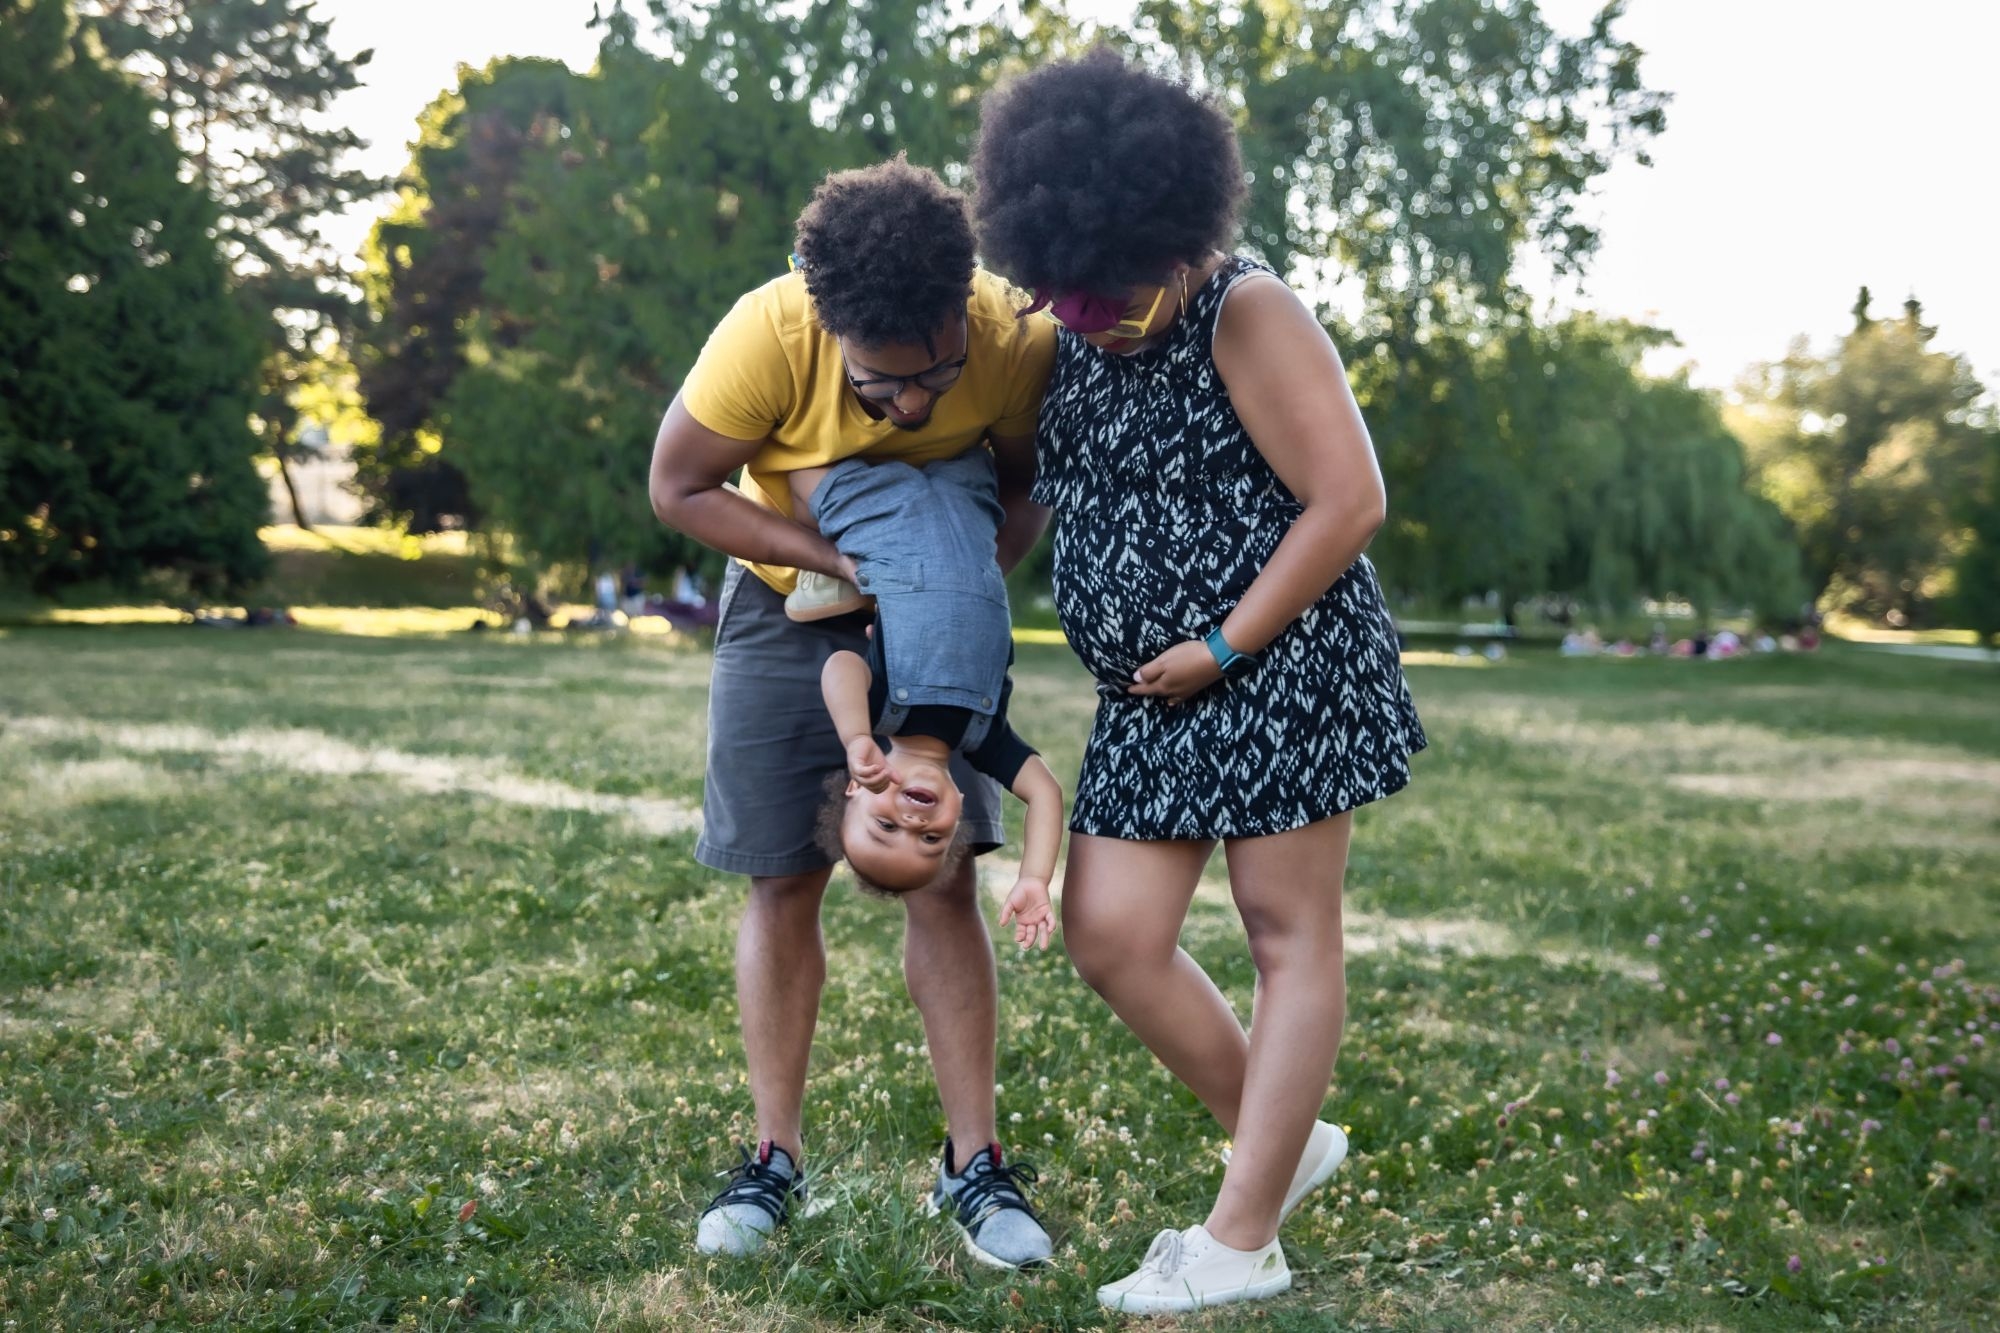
1976,600
639,216
124,365
1543,460
427,274
1414,146
1870,451
245,85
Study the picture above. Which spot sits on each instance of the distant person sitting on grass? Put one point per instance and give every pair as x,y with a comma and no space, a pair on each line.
934,678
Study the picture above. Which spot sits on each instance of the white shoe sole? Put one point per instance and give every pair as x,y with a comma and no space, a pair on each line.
807,615
1134,1303
972,1246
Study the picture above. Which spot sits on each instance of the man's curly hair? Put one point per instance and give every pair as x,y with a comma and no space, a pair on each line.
887,253
1093,175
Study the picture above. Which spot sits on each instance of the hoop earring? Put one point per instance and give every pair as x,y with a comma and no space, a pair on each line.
1183,293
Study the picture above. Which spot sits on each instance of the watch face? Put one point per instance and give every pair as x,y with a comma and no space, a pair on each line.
1239,666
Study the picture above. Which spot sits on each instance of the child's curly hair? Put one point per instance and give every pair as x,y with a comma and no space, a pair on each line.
826,836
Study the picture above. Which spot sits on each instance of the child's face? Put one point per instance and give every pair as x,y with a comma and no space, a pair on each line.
899,836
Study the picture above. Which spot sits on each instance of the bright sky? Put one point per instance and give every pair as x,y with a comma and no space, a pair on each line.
1812,146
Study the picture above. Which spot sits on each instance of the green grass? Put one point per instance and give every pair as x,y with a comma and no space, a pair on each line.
310,941
327,567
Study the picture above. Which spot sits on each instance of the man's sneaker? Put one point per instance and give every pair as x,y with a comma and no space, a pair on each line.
1326,1149
759,1196
819,596
1187,1270
986,1202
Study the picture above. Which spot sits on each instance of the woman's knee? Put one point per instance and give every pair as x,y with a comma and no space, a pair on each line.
1282,942
1104,947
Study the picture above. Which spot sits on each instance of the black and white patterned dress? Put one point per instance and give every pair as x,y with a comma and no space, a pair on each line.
1164,514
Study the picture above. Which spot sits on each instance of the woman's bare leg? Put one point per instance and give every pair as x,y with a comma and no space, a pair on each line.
1123,904
1288,888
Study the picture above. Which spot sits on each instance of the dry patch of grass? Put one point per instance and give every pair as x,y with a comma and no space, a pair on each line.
314,752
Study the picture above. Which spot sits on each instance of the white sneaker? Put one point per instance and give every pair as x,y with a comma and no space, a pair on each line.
819,596
1189,1270
1326,1149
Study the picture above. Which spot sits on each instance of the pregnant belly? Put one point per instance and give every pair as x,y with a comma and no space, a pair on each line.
1126,593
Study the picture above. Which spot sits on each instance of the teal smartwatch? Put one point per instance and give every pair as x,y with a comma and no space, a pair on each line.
1234,664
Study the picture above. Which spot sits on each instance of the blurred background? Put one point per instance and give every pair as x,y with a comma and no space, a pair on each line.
1657,311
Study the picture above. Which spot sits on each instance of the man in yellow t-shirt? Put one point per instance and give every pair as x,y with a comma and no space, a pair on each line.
885,342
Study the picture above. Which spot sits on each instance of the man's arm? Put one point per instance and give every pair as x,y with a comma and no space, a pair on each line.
691,463
1014,462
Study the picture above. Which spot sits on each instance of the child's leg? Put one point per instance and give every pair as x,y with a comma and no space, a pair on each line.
803,483
1288,889
1122,908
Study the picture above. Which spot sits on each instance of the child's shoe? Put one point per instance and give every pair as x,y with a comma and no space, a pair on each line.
1190,1270
819,596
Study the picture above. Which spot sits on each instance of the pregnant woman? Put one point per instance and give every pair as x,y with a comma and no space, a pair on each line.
1213,487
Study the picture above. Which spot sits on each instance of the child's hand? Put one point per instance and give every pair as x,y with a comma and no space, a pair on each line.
1028,908
867,766
1178,674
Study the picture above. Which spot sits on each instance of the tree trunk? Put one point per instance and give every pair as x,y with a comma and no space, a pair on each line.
292,491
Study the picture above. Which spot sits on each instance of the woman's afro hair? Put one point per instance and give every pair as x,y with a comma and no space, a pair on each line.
1093,175
887,254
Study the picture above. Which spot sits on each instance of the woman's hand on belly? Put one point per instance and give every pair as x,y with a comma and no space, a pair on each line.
1178,674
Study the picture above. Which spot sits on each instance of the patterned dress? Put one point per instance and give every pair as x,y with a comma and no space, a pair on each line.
1164,514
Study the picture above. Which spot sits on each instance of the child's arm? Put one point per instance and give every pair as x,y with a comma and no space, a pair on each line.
844,683
1027,906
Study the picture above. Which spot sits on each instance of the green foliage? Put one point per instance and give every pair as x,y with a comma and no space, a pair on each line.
1870,452
642,211
1545,461
427,272
124,366
1414,147
246,85
1976,600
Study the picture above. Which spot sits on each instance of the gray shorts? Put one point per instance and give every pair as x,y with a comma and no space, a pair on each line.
771,744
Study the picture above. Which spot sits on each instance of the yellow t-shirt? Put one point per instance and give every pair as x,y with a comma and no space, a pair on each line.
769,372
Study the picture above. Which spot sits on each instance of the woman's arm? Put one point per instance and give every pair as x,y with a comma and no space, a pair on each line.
1014,464
1290,390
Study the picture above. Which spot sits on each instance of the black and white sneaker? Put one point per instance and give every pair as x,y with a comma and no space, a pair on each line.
987,1203
758,1197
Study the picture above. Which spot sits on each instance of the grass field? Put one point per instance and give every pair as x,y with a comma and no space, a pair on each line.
356,982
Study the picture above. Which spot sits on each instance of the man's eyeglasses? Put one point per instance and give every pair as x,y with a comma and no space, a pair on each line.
935,380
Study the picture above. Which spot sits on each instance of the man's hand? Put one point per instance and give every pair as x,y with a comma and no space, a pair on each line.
867,765
1028,908
1178,674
